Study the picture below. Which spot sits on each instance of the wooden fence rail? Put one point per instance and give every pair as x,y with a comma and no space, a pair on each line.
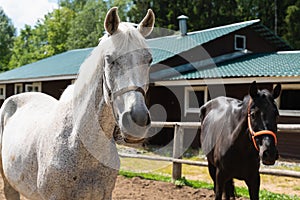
177,160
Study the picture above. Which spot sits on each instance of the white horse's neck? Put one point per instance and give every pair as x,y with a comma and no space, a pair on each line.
92,117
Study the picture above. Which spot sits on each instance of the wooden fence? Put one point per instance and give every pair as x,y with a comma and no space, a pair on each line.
177,160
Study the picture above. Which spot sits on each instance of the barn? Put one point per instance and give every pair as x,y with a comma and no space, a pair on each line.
189,69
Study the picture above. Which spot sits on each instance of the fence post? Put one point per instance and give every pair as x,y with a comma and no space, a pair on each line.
177,152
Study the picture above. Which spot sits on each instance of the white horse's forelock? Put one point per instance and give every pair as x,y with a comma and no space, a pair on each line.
127,38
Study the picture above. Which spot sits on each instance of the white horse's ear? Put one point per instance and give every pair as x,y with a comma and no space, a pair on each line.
112,21
147,24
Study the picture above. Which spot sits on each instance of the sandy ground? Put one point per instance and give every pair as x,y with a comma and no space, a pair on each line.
140,189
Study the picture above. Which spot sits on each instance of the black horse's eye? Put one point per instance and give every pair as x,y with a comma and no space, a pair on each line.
252,114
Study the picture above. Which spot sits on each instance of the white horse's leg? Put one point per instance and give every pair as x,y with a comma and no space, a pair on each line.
9,192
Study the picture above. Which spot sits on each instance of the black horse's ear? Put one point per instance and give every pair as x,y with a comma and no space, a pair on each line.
253,90
276,91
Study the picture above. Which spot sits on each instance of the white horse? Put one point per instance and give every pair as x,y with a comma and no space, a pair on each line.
65,149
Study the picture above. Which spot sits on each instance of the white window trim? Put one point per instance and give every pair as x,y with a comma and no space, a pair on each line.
291,113
187,108
35,84
4,92
235,42
18,84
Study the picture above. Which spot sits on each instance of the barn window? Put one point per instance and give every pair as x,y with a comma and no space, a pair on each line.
2,91
34,87
239,42
194,98
18,88
289,100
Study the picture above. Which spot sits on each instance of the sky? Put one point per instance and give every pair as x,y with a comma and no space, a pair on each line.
23,12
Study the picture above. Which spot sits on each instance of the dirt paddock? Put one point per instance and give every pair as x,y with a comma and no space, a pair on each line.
141,189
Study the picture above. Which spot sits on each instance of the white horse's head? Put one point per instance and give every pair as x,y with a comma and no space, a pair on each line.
126,73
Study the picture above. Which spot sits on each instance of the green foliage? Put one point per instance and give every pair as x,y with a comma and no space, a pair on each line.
155,177
241,191
58,24
75,5
7,34
76,24
47,38
202,14
79,23
293,26
181,182
87,26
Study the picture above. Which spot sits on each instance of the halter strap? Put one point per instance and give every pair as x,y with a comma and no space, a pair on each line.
122,91
255,134
113,95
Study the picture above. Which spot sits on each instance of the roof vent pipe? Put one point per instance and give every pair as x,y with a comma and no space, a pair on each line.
182,24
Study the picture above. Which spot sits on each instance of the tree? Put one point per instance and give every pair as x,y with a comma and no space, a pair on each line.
47,38
87,26
7,34
75,5
58,25
202,13
293,26
21,51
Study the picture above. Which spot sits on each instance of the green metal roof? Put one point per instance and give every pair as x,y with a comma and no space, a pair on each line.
68,63
63,64
280,64
166,47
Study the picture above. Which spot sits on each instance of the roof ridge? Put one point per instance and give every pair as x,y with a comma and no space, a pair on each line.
250,22
226,26
288,52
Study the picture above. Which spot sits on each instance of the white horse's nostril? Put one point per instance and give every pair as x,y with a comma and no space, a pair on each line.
140,116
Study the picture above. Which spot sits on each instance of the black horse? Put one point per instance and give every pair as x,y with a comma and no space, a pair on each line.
236,135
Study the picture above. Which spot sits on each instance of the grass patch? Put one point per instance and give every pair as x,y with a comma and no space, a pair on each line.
241,191
297,188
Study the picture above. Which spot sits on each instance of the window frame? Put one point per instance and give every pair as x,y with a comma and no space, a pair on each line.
35,84
3,96
15,88
293,113
187,108
236,37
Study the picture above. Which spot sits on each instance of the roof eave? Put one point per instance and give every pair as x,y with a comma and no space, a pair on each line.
231,80
40,79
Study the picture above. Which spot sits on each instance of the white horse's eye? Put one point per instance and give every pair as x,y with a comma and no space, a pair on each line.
109,59
150,61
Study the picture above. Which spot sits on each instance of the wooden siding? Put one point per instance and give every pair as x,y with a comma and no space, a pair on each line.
55,88
288,145
52,88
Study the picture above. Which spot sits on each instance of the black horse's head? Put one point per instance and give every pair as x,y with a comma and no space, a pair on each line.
262,122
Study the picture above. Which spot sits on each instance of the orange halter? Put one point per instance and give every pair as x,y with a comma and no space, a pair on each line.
254,134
